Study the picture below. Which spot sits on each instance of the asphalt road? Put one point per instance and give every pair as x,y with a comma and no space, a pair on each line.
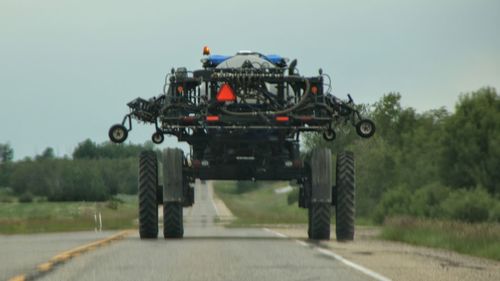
208,252
22,253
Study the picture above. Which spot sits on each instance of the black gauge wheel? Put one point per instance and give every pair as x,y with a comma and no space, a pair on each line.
118,133
329,135
157,137
365,128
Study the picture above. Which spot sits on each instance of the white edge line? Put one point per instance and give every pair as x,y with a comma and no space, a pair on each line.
275,233
353,265
302,243
215,207
211,191
329,253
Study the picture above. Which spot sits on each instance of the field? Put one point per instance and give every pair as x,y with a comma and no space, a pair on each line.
34,217
261,205
479,239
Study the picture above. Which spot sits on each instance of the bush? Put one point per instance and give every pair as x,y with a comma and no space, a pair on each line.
495,212
6,200
114,203
394,202
293,196
80,180
6,195
26,197
468,206
41,199
75,180
426,201
246,186
5,172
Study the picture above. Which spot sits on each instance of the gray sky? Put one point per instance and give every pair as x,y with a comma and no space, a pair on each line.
68,67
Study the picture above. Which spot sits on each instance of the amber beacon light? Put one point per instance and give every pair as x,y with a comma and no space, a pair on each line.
206,51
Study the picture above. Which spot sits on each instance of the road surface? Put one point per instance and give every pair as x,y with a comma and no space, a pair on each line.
207,252
21,253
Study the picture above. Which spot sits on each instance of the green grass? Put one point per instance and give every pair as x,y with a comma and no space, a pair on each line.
6,195
479,239
261,205
38,217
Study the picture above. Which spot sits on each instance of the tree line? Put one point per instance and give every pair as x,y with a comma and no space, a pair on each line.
95,173
436,164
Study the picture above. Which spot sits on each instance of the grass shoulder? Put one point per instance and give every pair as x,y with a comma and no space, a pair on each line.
42,216
264,203
259,204
476,239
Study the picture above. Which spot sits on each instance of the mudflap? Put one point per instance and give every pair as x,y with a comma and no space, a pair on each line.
319,209
173,195
173,185
321,176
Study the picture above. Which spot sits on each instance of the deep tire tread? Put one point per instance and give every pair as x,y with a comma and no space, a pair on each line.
319,217
320,209
172,210
148,206
172,220
345,197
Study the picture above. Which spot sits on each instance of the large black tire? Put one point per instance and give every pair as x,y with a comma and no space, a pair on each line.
172,196
148,205
320,205
345,196
172,220
319,221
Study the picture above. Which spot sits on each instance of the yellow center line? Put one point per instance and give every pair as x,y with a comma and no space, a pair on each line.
67,255
21,277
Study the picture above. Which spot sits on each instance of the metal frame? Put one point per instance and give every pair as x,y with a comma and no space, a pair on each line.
247,127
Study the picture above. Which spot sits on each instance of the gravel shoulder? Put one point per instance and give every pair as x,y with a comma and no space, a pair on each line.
400,261
223,212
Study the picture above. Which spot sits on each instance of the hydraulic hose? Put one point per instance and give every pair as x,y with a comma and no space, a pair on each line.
284,111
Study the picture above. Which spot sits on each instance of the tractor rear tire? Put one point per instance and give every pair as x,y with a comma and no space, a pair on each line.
320,208
148,205
172,220
345,196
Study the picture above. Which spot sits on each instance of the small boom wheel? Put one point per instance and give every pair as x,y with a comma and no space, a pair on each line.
157,137
329,135
365,128
118,133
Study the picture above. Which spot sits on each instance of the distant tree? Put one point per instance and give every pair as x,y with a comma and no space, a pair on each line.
90,150
471,143
387,114
6,153
6,156
25,177
48,153
86,150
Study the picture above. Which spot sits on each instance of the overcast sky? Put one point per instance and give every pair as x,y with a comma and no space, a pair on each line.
68,67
